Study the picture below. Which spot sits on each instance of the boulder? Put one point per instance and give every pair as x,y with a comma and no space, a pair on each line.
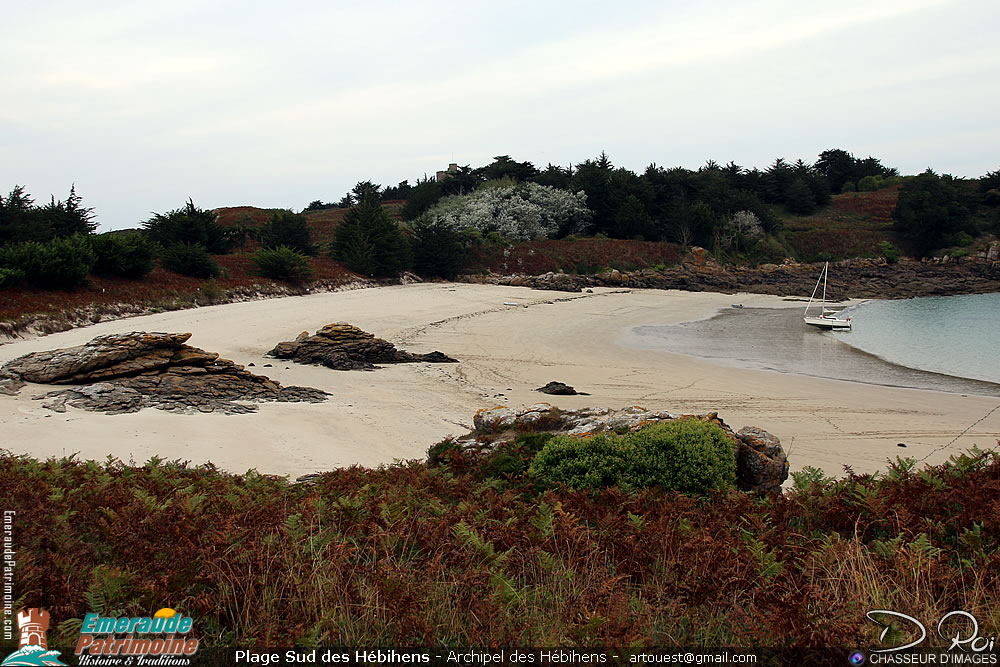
559,389
761,464
127,372
345,347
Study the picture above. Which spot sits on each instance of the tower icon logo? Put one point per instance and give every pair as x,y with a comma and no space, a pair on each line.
33,649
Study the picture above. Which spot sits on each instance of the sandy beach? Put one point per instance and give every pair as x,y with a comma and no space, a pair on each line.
586,340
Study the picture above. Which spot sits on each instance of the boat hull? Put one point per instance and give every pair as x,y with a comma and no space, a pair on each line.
827,322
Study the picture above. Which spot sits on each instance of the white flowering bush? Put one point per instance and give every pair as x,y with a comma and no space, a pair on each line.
741,229
517,212
747,225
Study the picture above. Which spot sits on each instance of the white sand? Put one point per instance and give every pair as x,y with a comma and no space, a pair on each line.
505,352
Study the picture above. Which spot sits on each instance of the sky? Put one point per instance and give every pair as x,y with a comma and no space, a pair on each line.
143,105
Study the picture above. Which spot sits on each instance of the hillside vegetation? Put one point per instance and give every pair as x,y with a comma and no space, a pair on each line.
506,217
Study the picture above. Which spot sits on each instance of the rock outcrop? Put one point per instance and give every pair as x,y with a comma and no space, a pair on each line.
852,279
555,388
761,464
345,347
127,372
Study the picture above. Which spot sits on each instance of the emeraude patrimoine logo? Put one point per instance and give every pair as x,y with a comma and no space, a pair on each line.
101,635
33,648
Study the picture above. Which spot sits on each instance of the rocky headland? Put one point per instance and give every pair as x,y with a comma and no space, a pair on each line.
849,279
120,373
344,347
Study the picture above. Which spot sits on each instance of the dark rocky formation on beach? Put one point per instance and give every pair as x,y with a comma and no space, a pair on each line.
849,279
345,347
127,372
761,463
560,389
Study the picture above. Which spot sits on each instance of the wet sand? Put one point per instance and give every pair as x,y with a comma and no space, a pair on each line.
775,339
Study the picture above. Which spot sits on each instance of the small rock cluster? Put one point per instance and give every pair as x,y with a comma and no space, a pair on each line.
556,388
345,347
122,373
761,464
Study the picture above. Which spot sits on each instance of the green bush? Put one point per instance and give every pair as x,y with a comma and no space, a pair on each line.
62,263
962,239
889,252
438,250
439,453
686,455
287,229
769,250
189,260
514,458
189,225
283,263
128,255
870,184
370,243
10,277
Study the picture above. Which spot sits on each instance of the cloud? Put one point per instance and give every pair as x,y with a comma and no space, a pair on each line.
275,101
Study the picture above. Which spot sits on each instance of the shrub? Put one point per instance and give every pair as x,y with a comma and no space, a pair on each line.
190,226
889,252
769,250
10,277
283,263
686,455
287,229
513,459
962,239
799,199
517,212
870,184
128,255
438,250
58,264
211,292
930,213
370,243
189,260
439,453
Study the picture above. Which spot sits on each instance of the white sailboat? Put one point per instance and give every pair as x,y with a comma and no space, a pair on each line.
827,319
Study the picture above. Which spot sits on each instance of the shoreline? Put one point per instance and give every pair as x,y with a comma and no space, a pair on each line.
856,279
716,339
505,352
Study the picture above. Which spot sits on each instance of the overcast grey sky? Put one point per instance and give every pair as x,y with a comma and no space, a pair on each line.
271,104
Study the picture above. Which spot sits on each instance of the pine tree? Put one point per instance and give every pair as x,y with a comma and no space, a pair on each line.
369,242
799,198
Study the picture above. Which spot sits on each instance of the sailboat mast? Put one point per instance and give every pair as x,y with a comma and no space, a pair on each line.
826,268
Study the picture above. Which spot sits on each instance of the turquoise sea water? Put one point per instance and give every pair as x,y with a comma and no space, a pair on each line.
941,343
954,335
